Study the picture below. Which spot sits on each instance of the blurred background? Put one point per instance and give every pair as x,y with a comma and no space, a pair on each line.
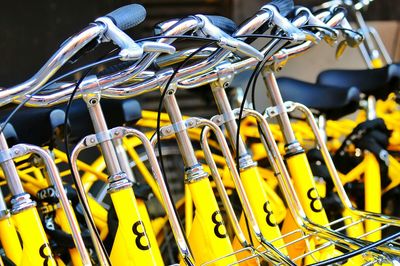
32,30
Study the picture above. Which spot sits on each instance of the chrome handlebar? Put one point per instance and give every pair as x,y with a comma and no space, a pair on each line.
191,73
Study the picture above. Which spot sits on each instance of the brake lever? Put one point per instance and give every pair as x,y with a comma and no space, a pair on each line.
157,47
351,38
285,25
130,50
225,40
328,34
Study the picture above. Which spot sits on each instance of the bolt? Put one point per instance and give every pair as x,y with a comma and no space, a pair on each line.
93,101
92,140
226,85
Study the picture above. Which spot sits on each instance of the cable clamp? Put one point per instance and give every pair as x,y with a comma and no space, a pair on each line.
180,126
273,111
103,136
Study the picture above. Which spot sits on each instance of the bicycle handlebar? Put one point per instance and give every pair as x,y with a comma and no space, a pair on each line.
357,6
103,27
158,78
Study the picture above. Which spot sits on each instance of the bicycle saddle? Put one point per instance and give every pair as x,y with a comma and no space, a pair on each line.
32,125
38,126
378,82
334,102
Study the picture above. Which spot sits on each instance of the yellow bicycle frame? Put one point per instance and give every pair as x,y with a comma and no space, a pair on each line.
9,239
36,249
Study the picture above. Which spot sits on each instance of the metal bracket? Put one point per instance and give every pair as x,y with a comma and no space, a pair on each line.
103,136
169,130
195,173
171,90
5,155
225,74
273,111
221,119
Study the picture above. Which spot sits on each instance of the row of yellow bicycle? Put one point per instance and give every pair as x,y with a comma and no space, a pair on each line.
89,178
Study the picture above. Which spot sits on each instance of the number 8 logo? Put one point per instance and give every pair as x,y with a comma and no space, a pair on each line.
216,218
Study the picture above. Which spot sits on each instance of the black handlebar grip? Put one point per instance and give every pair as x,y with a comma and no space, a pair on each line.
284,6
225,24
128,16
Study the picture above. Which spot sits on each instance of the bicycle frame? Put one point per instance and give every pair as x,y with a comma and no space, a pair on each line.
27,222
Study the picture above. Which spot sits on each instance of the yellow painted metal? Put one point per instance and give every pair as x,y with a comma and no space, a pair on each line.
36,249
61,219
297,248
304,184
261,206
372,182
377,63
353,230
135,242
394,170
148,177
99,215
208,236
188,210
9,239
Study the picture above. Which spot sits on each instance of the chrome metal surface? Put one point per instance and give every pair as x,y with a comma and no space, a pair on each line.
371,107
276,99
123,159
3,206
99,125
21,202
9,170
372,52
182,137
381,45
225,108
87,142
118,182
322,127
129,49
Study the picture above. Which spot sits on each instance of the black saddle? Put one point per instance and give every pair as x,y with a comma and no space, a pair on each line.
378,82
116,113
331,101
31,125
39,126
